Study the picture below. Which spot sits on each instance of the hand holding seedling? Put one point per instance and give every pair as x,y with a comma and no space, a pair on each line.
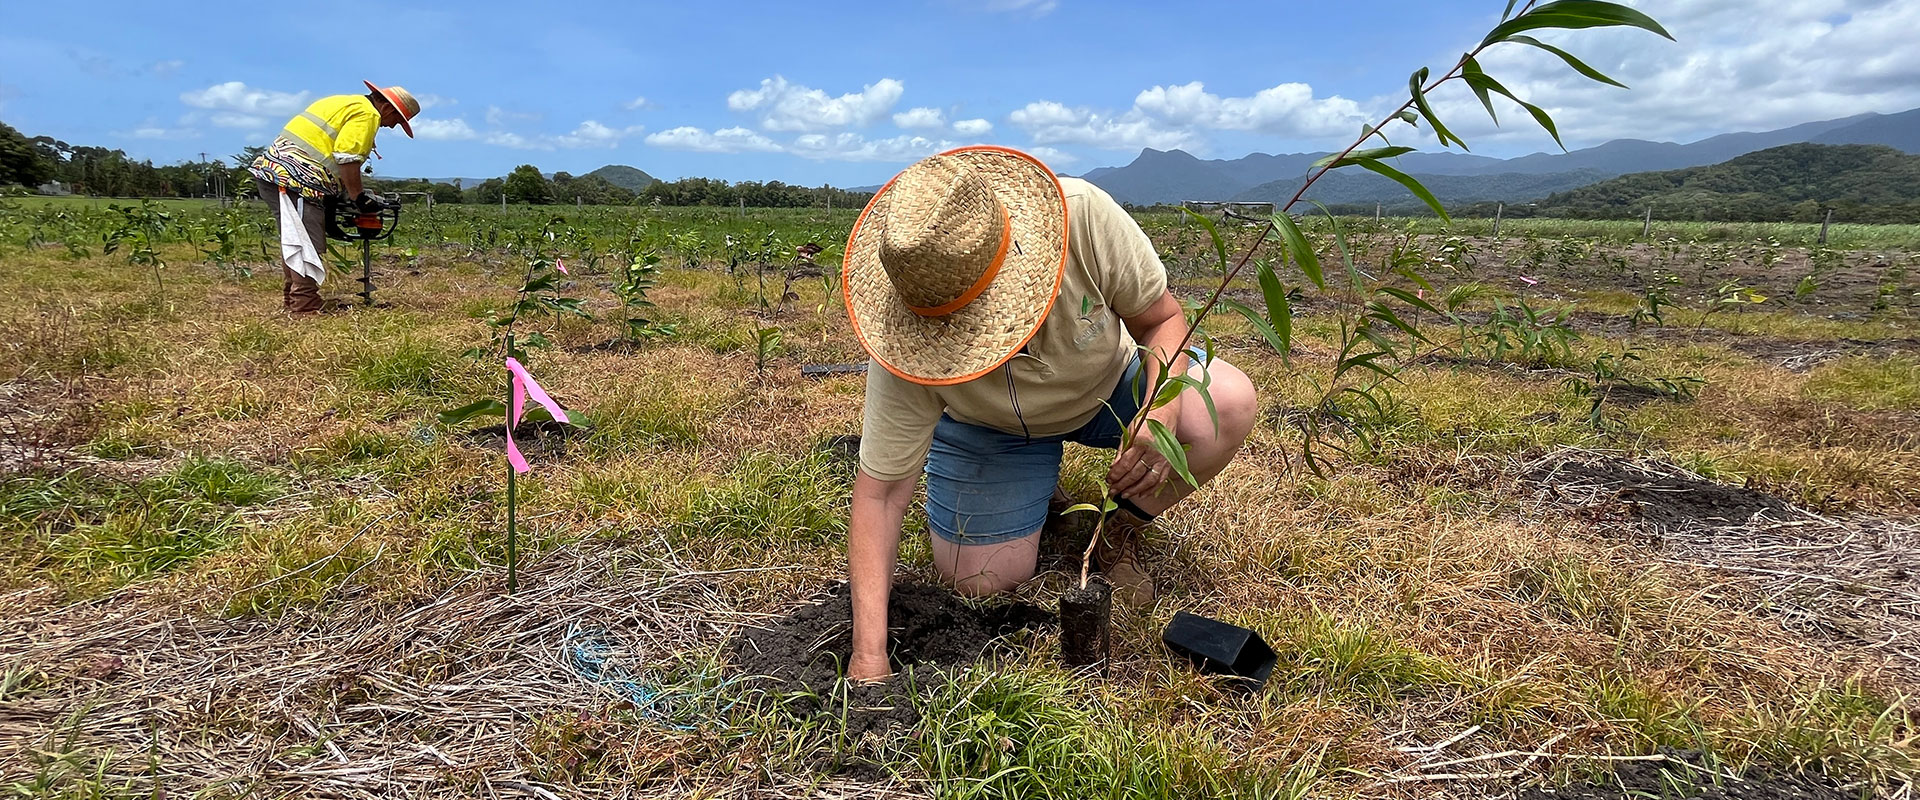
1140,470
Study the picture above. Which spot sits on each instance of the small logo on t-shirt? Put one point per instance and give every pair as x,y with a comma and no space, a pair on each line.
1093,321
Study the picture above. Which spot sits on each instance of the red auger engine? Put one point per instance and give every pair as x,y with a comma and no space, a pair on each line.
348,223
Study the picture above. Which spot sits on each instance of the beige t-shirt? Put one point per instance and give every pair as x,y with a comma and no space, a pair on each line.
1064,374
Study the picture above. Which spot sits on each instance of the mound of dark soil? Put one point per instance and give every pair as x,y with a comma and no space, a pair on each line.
547,437
1631,394
799,658
617,344
1662,501
843,451
1800,356
1658,779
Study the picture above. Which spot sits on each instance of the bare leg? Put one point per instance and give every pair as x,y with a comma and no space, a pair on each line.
980,570
1209,450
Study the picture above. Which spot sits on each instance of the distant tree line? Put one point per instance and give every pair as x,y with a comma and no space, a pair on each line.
1791,183
39,160
525,184
771,194
36,161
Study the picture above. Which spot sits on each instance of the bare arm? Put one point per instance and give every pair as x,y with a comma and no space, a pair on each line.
350,179
873,547
1160,328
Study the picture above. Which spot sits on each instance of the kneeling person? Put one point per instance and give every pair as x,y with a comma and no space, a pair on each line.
1001,308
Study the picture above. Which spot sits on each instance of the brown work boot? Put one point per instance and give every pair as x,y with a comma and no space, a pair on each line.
1118,555
1059,502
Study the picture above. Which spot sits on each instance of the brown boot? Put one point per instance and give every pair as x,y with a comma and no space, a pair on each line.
1118,555
1059,502
1056,525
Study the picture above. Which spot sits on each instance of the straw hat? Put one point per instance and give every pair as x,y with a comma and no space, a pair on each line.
955,263
402,101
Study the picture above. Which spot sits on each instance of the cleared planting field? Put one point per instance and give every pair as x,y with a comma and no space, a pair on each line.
1646,505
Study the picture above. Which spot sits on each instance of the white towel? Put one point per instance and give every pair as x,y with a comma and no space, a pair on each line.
296,248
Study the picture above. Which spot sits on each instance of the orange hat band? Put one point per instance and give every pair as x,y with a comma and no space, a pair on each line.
986,278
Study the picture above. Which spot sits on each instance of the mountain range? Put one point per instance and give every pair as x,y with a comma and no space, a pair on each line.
1173,176
1794,182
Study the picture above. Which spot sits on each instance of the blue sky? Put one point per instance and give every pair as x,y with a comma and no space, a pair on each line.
848,93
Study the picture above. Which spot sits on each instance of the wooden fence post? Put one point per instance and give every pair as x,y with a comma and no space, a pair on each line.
1646,227
1498,211
1823,226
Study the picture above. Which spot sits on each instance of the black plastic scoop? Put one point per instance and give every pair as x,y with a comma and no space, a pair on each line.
1221,649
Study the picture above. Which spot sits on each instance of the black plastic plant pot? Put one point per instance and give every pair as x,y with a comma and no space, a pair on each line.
1086,615
1221,649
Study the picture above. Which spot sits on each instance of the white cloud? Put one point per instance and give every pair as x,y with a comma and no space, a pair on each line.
928,119
593,134
1048,122
428,100
516,141
725,140
1288,109
1052,157
785,106
1812,60
842,146
849,146
587,135
166,69
973,127
444,130
152,129
497,116
1038,8
228,119
637,104
238,98
1168,117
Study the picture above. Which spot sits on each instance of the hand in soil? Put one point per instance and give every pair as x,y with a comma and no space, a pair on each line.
868,669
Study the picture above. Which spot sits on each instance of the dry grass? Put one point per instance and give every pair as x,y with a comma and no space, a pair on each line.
1445,627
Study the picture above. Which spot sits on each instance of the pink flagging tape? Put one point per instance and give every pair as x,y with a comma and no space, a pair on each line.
524,386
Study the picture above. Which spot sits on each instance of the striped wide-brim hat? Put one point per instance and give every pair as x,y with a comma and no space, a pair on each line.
402,101
955,263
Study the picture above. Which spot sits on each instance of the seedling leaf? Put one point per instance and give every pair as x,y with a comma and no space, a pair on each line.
1170,448
1573,62
1297,246
1575,14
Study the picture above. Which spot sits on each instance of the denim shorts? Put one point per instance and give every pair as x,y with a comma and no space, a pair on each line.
986,486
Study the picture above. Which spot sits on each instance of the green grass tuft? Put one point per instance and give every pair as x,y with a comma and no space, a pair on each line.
1028,734
771,498
1869,382
406,365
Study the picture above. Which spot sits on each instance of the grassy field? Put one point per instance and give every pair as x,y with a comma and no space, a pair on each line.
242,557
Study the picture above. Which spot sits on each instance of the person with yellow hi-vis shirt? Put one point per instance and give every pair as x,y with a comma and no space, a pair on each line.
318,154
